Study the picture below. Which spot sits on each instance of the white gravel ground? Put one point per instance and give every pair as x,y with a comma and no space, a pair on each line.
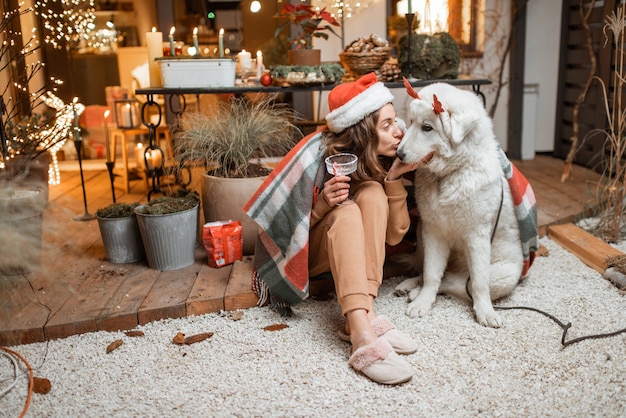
461,369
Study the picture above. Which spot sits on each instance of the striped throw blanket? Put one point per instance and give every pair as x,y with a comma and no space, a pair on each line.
525,209
282,207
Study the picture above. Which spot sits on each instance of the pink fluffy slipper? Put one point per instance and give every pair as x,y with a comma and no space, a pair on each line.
383,327
380,363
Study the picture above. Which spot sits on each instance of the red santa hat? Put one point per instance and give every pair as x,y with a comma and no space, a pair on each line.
350,103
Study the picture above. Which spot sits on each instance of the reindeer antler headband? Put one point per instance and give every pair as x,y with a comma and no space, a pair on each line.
437,106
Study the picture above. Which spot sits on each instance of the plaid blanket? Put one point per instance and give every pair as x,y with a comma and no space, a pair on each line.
282,249
525,209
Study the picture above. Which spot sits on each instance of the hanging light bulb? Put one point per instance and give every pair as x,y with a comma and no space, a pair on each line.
255,6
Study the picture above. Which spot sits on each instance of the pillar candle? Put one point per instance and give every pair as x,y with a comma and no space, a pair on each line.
259,65
171,36
154,41
195,41
77,136
139,156
245,60
221,43
107,144
127,116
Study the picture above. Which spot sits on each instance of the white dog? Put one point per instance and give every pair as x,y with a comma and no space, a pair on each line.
474,247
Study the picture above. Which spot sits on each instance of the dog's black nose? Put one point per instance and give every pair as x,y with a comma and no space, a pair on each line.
400,154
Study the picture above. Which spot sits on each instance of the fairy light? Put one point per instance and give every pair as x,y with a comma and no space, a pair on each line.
72,24
55,137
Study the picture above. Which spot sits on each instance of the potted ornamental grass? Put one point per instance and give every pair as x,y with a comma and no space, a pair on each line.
310,22
120,232
235,142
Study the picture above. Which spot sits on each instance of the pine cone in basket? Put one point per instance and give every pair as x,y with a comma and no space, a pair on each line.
372,43
390,72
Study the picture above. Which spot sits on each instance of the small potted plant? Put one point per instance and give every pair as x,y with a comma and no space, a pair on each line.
233,142
169,230
310,23
120,232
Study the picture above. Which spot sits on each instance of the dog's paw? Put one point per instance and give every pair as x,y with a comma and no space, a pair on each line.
419,308
490,318
406,286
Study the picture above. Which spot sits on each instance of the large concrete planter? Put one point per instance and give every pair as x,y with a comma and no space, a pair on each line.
224,198
21,220
170,239
121,239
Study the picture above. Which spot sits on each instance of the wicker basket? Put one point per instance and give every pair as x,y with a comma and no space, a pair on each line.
361,63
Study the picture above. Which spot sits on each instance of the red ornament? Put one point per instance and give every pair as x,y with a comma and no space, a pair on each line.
266,79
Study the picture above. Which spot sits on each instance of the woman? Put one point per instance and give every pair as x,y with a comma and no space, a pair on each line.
344,238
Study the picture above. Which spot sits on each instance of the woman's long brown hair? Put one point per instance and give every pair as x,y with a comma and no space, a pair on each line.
360,139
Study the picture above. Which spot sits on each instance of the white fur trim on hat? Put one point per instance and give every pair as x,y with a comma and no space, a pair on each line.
357,108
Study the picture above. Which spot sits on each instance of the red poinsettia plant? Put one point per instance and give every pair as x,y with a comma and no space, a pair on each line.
310,21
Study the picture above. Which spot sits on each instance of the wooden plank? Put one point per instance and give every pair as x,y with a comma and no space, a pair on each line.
590,249
207,294
168,295
120,312
239,293
78,315
22,317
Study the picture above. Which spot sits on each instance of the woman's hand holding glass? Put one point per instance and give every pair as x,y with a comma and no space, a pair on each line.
337,188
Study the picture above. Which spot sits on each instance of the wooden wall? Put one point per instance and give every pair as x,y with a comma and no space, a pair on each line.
574,69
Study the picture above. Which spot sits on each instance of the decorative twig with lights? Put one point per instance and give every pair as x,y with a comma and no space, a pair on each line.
33,120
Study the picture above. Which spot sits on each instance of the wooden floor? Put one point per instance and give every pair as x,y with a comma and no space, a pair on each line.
77,290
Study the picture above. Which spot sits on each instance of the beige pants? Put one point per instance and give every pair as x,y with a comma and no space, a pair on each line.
350,243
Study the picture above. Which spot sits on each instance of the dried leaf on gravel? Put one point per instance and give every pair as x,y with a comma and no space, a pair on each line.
41,385
276,327
236,316
115,344
179,338
197,338
134,333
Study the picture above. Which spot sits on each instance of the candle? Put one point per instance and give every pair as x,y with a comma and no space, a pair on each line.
154,41
171,36
76,128
410,7
245,60
195,41
127,116
259,64
221,43
107,145
139,156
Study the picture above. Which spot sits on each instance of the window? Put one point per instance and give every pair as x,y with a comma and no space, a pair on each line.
463,19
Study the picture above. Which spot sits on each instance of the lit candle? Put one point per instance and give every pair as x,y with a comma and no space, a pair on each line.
221,43
259,64
245,60
195,41
76,128
154,41
107,145
171,36
127,116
